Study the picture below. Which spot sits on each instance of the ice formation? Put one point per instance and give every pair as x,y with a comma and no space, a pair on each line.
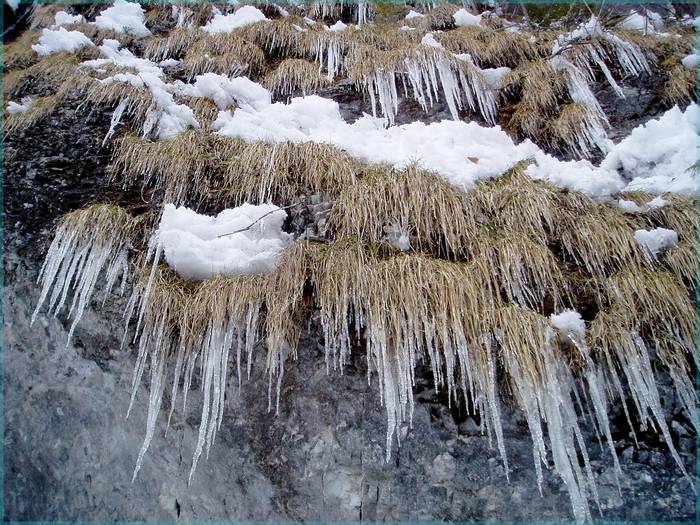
123,17
81,249
242,241
55,40
165,118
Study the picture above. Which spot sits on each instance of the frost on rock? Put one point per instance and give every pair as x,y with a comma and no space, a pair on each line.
56,40
123,17
659,156
243,16
656,241
242,241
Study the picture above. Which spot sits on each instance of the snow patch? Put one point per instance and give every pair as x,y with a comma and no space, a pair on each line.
226,91
55,40
628,206
21,107
569,322
463,17
656,241
200,246
62,18
413,14
244,16
659,156
123,17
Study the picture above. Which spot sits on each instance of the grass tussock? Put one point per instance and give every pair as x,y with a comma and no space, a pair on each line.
293,75
45,15
110,94
680,214
437,216
491,48
172,45
682,260
41,108
653,299
226,54
599,238
260,171
50,73
679,87
19,54
179,168
517,203
281,37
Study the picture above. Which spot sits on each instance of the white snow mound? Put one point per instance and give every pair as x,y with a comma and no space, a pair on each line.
197,246
56,40
123,17
244,16
656,241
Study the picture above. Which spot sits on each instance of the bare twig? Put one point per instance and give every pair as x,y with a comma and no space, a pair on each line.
258,220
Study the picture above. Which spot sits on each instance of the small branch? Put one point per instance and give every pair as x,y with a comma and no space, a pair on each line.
257,220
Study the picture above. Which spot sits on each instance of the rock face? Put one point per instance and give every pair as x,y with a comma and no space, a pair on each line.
70,452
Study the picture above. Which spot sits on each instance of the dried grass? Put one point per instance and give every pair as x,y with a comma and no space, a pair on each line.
680,214
50,72
279,38
598,238
173,45
683,262
179,168
225,53
295,74
438,217
680,87
261,171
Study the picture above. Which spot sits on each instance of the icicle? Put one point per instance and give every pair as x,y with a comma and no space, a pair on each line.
116,119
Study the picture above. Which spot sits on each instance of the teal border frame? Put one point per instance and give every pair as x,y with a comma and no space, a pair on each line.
398,2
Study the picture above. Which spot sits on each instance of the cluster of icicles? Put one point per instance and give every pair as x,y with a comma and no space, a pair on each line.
430,70
398,335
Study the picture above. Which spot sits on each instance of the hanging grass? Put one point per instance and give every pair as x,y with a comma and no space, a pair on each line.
225,53
295,75
437,217
261,171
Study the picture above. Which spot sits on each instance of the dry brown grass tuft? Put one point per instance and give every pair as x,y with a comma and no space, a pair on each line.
654,300
110,94
683,262
260,171
179,168
598,238
680,87
281,37
680,214
517,203
438,217
41,108
523,269
19,53
295,74
50,72
173,45
490,48
225,53
575,129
